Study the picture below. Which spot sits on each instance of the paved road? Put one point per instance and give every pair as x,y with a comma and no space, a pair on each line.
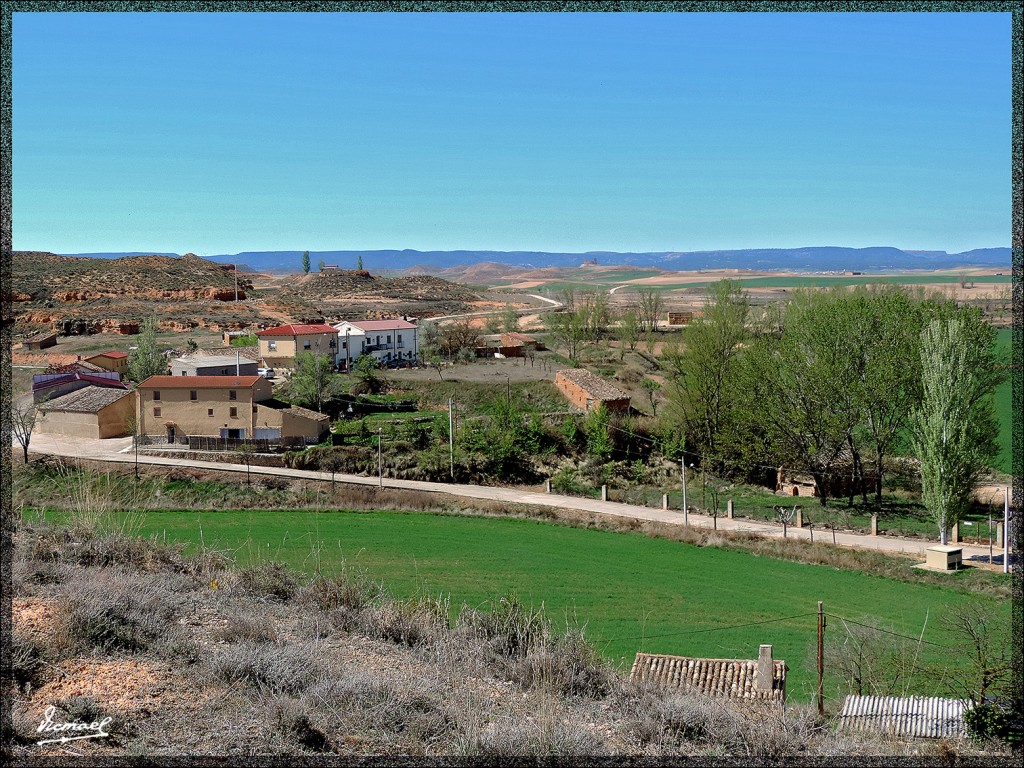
119,450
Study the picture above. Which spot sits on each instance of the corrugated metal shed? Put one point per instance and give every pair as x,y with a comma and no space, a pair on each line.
914,716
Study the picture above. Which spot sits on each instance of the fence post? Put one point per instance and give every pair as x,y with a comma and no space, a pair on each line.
728,509
954,533
999,534
547,486
664,501
604,493
799,517
874,525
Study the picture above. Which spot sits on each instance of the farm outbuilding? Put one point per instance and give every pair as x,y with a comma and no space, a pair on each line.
587,391
910,716
91,412
40,341
761,679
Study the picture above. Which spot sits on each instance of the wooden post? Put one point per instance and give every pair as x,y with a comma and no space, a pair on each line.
821,659
954,534
728,509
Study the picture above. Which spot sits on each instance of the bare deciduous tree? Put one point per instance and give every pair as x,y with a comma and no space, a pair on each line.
23,422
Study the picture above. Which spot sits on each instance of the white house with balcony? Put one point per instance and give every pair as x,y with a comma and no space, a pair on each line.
386,340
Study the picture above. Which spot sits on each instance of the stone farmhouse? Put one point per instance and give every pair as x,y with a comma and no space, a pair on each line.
176,409
93,412
739,679
587,391
280,345
385,340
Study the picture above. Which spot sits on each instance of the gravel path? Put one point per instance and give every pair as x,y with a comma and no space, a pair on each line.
119,450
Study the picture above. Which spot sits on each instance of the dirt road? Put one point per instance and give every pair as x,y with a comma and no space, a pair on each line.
119,450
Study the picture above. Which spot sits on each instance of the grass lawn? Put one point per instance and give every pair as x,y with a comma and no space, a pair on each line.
632,592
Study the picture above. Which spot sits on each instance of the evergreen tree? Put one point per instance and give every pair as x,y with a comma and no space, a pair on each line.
305,262
146,359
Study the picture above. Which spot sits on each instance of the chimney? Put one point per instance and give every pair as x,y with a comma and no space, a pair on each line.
765,669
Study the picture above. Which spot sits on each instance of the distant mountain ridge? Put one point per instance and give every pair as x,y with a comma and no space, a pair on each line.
810,259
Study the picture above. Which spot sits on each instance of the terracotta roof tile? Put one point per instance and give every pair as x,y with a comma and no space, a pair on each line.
294,330
732,678
595,385
86,400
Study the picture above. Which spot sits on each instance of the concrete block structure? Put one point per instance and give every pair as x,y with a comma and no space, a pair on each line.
587,391
214,365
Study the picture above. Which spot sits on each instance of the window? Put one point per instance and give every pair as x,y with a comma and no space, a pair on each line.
344,345
399,338
156,394
333,343
234,413
209,411
305,344
232,394
193,395
272,346
156,412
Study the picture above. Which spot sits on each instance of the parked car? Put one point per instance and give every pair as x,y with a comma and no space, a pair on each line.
266,373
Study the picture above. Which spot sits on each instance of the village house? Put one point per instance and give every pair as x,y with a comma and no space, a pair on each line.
763,679
214,365
587,391
94,412
280,345
110,361
385,340
173,409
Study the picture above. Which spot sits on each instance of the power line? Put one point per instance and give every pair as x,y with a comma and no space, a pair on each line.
886,631
709,629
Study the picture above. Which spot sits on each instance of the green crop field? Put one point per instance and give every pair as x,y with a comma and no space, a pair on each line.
632,592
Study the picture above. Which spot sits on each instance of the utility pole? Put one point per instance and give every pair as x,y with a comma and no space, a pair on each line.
451,436
1006,529
686,519
234,271
821,659
380,470
508,390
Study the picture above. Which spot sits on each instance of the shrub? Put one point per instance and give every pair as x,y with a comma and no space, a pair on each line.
241,627
508,628
270,579
110,609
291,669
293,721
26,661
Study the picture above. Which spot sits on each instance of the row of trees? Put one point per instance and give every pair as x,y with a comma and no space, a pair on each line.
835,379
586,318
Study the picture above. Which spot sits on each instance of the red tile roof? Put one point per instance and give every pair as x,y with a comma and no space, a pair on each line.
295,330
111,355
199,382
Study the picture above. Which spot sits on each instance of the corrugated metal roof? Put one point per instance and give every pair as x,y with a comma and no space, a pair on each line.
913,716
732,678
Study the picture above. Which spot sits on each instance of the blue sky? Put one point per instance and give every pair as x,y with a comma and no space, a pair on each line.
220,133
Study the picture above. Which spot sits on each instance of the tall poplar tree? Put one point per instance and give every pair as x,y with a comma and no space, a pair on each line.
953,432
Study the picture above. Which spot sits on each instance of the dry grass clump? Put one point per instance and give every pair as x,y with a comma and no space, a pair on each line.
112,609
270,579
242,627
288,669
